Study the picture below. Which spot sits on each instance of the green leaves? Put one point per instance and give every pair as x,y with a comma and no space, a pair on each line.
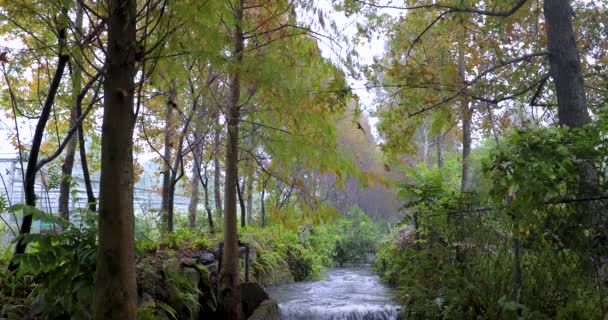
38,215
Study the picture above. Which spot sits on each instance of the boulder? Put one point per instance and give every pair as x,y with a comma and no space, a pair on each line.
147,301
206,258
212,267
267,310
252,295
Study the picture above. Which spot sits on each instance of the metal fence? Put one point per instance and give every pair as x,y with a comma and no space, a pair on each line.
146,195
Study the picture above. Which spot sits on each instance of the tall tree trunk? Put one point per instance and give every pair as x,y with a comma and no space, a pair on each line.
465,183
230,281
216,166
32,161
67,166
240,190
207,206
249,189
196,176
116,296
467,115
440,151
68,162
425,141
565,62
168,145
262,203
91,200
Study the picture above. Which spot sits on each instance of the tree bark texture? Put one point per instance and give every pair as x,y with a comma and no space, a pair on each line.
168,146
565,63
68,162
216,167
115,295
194,193
230,281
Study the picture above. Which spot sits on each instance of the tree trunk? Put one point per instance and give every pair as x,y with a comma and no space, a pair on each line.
68,165
68,162
196,176
207,206
466,147
91,200
230,282
425,141
168,144
32,162
216,167
565,63
440,151
249,193
116,296
567,74
467,115
240,191
262,206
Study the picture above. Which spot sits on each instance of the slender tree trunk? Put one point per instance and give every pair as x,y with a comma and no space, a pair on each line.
170,198
249,193
416,231
207,206
67,166
216,167
425,141
240,191
32,162
565,63
68,162
230,281
168,145
196,176
466,147
262,204
467,115
116,296
91,200
440,151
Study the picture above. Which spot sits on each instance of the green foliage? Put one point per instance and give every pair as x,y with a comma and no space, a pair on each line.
286,255
61,267
358,238
458,262
181,289
281,256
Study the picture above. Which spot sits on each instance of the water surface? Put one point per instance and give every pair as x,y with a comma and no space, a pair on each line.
351,293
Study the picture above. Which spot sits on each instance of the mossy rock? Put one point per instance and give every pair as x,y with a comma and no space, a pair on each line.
267,310
252,295
182,286
15,311
151,314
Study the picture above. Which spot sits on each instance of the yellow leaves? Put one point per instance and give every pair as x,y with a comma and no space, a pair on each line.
299,183
46,147
16,144
372,178
138,171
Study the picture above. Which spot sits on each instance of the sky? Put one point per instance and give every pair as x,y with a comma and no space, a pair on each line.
366,50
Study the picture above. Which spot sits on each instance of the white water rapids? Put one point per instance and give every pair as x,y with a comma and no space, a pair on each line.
351,293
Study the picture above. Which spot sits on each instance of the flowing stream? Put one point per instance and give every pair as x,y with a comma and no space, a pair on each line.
351,293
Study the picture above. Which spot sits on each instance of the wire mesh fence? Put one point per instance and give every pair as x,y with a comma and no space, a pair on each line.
146,195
